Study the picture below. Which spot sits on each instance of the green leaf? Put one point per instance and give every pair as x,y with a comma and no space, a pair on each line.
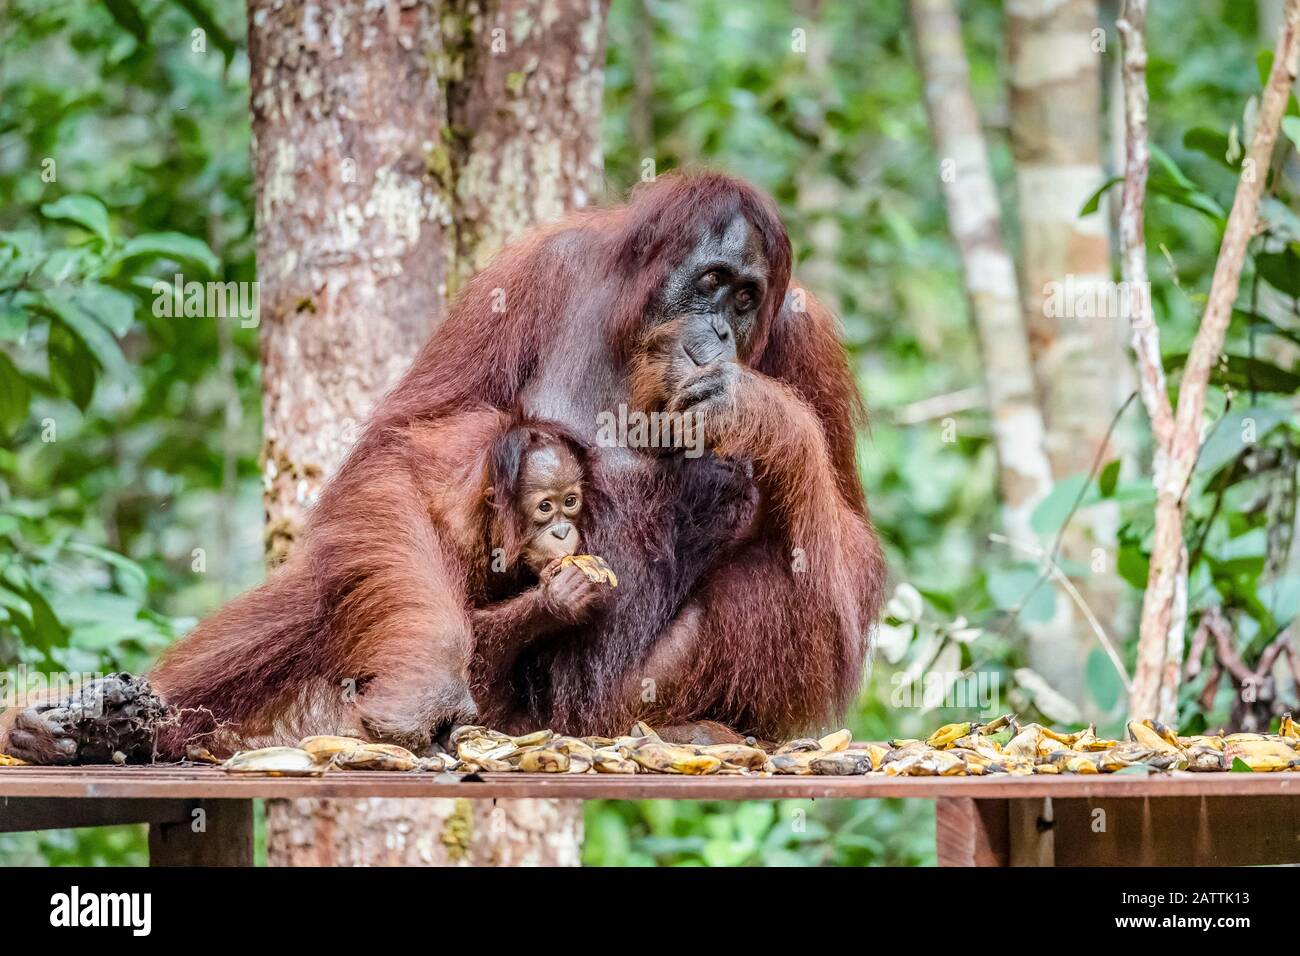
136,580
1094,201
13,322
1195,725
1104,685
1245,374
15,396
175,246
1281,270
1239,766
1264,64
86,211
1183,196
1291,127
940,600
72,369
1166,162
1230,435
129,19
114,309
94,336
1209,141
1133,566
40,626
1052,511
1108,478
61,264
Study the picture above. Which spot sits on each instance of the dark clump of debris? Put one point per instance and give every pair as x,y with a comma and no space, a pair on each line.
112,719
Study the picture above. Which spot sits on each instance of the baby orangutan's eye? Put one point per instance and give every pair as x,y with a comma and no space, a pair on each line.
544,506
571,501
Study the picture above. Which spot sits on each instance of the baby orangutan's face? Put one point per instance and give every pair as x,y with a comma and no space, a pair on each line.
550,505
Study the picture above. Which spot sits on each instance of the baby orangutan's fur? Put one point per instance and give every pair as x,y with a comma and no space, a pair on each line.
537,500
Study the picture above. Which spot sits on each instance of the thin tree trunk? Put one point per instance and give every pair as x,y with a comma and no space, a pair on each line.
1076,344
1146,337
395,147
1164,609
990,276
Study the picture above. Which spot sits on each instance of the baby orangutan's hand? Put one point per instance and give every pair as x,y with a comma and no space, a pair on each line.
575,585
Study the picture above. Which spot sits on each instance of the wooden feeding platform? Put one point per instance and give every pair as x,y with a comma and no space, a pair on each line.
1198,819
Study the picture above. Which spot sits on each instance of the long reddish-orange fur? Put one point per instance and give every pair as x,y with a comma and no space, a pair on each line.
378,591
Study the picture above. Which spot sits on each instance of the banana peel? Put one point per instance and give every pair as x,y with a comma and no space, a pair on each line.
672,758
948,734
841,763
613,760
1261,756
275,762
836,741
1289,729
543,760
593,567
327,746
736,756
376,757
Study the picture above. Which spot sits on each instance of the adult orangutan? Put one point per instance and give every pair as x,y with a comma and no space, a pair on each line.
749,576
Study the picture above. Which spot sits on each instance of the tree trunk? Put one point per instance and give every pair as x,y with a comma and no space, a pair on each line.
975,220
395,148
1076,343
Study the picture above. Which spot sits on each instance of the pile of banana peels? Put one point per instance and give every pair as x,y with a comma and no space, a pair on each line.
1006,746
1001,746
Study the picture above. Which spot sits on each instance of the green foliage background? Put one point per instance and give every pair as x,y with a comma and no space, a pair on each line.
129,492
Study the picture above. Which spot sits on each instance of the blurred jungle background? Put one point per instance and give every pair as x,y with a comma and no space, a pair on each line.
131,490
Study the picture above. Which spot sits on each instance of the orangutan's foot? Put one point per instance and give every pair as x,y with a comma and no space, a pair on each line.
107,720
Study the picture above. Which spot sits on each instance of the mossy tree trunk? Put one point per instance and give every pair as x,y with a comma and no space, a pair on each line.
1055,51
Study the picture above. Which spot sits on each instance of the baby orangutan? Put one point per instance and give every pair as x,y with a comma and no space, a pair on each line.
537,507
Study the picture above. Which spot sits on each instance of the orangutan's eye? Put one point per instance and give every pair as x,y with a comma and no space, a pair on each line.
709,282
544,506
571,501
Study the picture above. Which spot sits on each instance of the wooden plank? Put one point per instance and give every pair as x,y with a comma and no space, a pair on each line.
1032,832
43,813
970,832
212,783
1184,831
214,833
